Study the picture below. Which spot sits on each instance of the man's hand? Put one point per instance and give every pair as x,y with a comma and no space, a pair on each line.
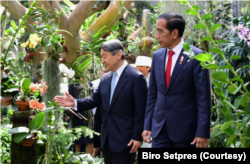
200,142
67,101
146,135
136,145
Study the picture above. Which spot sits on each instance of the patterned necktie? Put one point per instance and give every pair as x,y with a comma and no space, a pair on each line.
169,66
113,83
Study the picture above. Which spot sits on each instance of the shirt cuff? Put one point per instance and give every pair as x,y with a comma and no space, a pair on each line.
75,107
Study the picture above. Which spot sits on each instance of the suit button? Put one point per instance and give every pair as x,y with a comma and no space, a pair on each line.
166,96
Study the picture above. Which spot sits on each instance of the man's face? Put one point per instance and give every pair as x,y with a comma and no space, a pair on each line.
109,60
163,35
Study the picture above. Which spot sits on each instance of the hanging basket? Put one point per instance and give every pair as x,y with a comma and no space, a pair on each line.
6,101
30,141
31,53
23,105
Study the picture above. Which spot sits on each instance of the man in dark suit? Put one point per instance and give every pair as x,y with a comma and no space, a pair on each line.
178,105
122,92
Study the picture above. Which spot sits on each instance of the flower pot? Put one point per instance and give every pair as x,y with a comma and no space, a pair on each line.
23,105
32,53
30,141
28,58
6,101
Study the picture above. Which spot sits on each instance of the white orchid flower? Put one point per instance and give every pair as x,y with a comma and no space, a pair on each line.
71,73
63,69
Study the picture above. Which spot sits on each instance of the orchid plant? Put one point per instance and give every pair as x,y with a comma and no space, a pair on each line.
30,91
33,43
243,33
66,71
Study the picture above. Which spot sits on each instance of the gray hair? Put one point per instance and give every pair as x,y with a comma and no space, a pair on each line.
113,46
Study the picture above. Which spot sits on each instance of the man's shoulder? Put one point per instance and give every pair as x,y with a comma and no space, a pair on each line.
196,50
159,52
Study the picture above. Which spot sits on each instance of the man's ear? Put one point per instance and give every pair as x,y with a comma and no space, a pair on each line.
175,33
119,54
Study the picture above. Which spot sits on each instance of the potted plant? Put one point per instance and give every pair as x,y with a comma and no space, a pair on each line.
27,136
29,92
8,90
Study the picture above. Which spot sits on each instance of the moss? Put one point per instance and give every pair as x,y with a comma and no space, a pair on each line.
52,77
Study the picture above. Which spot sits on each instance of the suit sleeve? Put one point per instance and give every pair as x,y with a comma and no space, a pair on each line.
151,100
89,103
140,100
203,95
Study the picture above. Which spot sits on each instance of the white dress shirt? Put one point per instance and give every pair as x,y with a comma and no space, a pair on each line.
177,50
119,72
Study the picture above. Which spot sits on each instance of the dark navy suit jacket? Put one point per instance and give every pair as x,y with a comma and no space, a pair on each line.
123,119
184,105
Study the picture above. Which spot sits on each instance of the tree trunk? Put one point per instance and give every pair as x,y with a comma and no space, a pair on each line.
146,32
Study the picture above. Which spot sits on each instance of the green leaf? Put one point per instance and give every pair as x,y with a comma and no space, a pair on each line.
211,66
25,86
120,8
209,57
19,130
237,101
247,132
200,26
234,57
206,38
236,79
13,24
230,67
196,7
186,46
239,113
231,89
242,68
192,12
245,118
216,50
220,76
114,28
245,99
230,105
19,137
226,125
231,138
237,90
184,2
37,121
207,15
247,106
202,57
229,131
246,84
214,27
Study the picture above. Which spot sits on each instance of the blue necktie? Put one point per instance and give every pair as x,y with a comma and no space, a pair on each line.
112,86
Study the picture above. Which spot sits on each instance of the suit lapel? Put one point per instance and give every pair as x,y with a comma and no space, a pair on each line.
177,68
162,67
109,87
119,86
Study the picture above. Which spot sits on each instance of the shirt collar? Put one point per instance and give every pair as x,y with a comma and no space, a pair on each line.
177,49
120,70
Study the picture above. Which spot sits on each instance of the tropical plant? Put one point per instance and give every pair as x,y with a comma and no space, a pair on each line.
5,145
24,132
233,124
237,47
8,86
